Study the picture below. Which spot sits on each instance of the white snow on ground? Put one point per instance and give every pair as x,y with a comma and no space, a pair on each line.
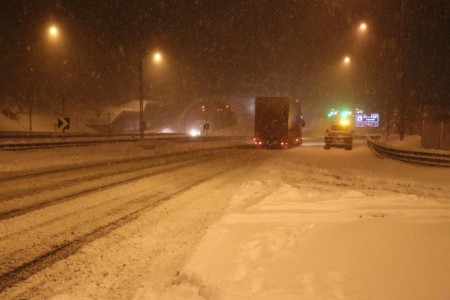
19,161
304,224
411,142
306,241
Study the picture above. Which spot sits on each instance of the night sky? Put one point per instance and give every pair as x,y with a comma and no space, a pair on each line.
225,49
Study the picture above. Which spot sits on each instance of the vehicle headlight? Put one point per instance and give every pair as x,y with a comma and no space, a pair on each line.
195,132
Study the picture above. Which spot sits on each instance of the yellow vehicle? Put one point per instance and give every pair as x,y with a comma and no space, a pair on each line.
339,135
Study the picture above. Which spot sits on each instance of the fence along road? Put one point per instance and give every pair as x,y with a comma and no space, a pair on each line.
411,156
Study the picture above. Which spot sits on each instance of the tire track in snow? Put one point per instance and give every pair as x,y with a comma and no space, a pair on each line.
28,200
27,268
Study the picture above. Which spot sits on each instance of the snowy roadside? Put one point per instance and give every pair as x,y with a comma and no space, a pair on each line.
411,143
288,237
299,224
43,159
151,248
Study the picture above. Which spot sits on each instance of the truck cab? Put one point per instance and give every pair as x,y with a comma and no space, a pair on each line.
339,135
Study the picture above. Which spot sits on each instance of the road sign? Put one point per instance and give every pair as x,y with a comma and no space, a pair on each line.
63,123
367,120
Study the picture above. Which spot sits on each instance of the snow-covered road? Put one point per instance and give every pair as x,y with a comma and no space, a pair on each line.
298,224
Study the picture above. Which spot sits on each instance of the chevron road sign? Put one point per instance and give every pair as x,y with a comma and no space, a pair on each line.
63,123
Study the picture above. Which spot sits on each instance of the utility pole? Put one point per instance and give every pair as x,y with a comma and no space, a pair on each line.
63,107
402,101
206,126
30,111
109,123
31,102
63,116
141,96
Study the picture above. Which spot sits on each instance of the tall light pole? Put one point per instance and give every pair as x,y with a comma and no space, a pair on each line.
52,34
141,96
31,103
157,59
402,104
362,28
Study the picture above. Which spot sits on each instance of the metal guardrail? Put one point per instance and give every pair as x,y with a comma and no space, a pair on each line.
37,145
59,134
14,146
410,156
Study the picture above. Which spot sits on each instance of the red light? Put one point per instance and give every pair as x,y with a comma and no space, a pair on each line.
203,108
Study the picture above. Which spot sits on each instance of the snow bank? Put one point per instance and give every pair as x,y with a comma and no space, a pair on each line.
298,224
410,142
288,237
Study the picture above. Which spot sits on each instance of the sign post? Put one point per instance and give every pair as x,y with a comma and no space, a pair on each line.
63,123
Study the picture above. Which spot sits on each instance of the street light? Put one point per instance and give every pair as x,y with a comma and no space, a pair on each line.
363,27
53,31
157,57
346,60
54,35
402,64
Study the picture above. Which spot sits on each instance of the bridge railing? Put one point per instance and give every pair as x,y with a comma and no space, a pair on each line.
411,156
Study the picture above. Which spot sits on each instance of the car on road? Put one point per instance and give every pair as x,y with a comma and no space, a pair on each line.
339,135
